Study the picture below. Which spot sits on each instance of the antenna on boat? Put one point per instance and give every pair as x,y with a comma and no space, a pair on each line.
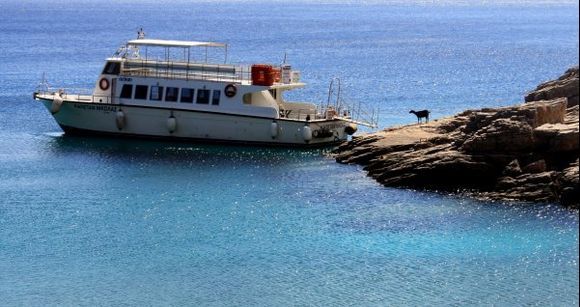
141,34
338,104
285,56
43,85
331,91
226,54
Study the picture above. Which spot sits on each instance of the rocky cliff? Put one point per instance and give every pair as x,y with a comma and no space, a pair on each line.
526,152
565,86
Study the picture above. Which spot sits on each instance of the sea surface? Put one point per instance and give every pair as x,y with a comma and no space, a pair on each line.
97,221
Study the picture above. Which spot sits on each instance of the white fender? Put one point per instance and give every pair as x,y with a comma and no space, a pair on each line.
350,129
120,119
56,104
171,124
307,133
274,129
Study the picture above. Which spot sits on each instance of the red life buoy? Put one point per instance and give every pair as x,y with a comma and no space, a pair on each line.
230,90
104,84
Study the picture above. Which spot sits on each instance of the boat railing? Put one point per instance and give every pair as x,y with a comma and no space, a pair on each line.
74,94
338,107
322,113
300,114
186,70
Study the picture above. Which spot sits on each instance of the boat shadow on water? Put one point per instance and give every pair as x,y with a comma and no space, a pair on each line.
177,151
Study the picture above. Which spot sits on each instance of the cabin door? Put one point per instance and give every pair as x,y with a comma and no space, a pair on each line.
113,90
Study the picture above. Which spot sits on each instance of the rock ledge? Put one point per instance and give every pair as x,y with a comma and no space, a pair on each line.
526,152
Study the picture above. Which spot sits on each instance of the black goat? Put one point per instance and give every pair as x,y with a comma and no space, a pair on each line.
421,114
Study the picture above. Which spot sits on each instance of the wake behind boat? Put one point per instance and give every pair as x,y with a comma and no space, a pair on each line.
178,96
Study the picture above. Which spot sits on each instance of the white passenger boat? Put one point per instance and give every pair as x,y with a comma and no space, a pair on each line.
170,90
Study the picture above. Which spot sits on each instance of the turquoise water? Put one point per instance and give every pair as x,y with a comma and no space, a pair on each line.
87,221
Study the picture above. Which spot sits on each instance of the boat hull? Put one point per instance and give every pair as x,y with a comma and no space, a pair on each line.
190,125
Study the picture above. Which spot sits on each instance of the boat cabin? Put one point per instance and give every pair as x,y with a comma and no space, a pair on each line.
160,72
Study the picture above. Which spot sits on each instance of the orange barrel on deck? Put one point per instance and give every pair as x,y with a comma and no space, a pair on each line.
277,71
263,74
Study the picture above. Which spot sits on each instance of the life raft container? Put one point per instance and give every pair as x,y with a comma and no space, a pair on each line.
263,74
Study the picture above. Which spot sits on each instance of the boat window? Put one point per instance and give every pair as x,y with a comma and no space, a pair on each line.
171,94
127,91
187,94
156,93
247,98
215,99
203,96
141,91
112,68
274,93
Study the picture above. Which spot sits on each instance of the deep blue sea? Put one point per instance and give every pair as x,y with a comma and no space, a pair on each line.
96,221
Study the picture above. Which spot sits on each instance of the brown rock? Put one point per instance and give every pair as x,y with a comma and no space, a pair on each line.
568,179
571,115
548,111
535,167
439,167
512,169
535,114
452,125
481,150
557,138
539,187
502,135
564,87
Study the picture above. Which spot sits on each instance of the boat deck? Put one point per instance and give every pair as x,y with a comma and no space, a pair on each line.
310,115
180,70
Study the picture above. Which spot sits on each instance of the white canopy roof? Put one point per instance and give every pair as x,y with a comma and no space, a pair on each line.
172,43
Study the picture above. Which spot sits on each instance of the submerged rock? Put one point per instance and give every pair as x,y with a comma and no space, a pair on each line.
525,152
